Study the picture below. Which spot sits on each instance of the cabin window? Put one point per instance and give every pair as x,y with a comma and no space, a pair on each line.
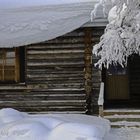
11,70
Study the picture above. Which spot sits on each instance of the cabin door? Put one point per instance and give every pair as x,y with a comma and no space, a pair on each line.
134,82
116,82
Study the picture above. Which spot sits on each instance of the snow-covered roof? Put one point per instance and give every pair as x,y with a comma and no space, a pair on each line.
31,21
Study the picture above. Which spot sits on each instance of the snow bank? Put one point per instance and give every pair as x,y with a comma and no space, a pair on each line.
16,125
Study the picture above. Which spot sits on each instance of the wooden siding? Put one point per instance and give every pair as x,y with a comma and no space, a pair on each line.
96,73
55,70
60,76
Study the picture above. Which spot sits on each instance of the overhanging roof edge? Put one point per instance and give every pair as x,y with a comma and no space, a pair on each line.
97,23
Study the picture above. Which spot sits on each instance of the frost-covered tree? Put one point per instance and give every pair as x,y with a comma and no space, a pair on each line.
122,35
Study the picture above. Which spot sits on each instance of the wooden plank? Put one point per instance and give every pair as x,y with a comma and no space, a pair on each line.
55,56
88,62
59,109
55,78
40,98
55,64
55,51
48,46
17,66
60,75
43,103
59,61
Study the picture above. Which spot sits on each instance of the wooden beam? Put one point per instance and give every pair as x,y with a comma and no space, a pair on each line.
17,66
88,61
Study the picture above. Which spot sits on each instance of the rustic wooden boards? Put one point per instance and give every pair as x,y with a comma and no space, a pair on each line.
59,76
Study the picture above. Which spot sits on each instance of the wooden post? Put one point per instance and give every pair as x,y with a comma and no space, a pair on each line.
4,62
88,66
17,74
101,111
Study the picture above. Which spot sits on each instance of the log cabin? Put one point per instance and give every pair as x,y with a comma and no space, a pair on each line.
52,76
58,75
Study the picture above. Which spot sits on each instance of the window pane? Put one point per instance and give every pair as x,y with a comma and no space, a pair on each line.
10,55
9,65
10,61
9,75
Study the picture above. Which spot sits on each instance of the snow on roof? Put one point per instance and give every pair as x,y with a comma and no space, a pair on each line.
4,4
31,21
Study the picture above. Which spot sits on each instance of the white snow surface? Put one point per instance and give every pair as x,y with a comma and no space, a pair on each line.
16,125
6,4
24,22
124,134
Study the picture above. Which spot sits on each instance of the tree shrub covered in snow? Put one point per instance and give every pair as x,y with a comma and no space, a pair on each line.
122,35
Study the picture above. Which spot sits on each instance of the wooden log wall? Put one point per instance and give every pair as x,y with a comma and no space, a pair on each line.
96,73
60,76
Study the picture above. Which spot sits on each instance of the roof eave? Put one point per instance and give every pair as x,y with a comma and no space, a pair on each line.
102,22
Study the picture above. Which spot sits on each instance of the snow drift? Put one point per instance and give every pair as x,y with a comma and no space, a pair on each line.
16,125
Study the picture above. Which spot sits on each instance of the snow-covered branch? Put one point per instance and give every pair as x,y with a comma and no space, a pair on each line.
122,35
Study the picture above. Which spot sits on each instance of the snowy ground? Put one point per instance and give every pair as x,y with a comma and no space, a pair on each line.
15,125
124,134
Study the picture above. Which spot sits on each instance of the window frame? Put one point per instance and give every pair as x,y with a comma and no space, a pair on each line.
18,76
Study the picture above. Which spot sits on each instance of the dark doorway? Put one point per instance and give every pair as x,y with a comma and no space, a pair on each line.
134,79
122,85
117,86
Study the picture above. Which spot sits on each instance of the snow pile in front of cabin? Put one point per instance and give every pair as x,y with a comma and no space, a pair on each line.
16,125
125,133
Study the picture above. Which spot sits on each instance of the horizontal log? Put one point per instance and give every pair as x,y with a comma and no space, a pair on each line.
56,56
39,98
40,94
48,109
61,82
43,103
43,92
56,46
56,79
58,69
13,87
68,76
67,40
55,52
58,85
70,90
55,61
55,64
54,72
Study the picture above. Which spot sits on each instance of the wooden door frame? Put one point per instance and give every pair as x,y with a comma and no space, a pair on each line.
113,103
